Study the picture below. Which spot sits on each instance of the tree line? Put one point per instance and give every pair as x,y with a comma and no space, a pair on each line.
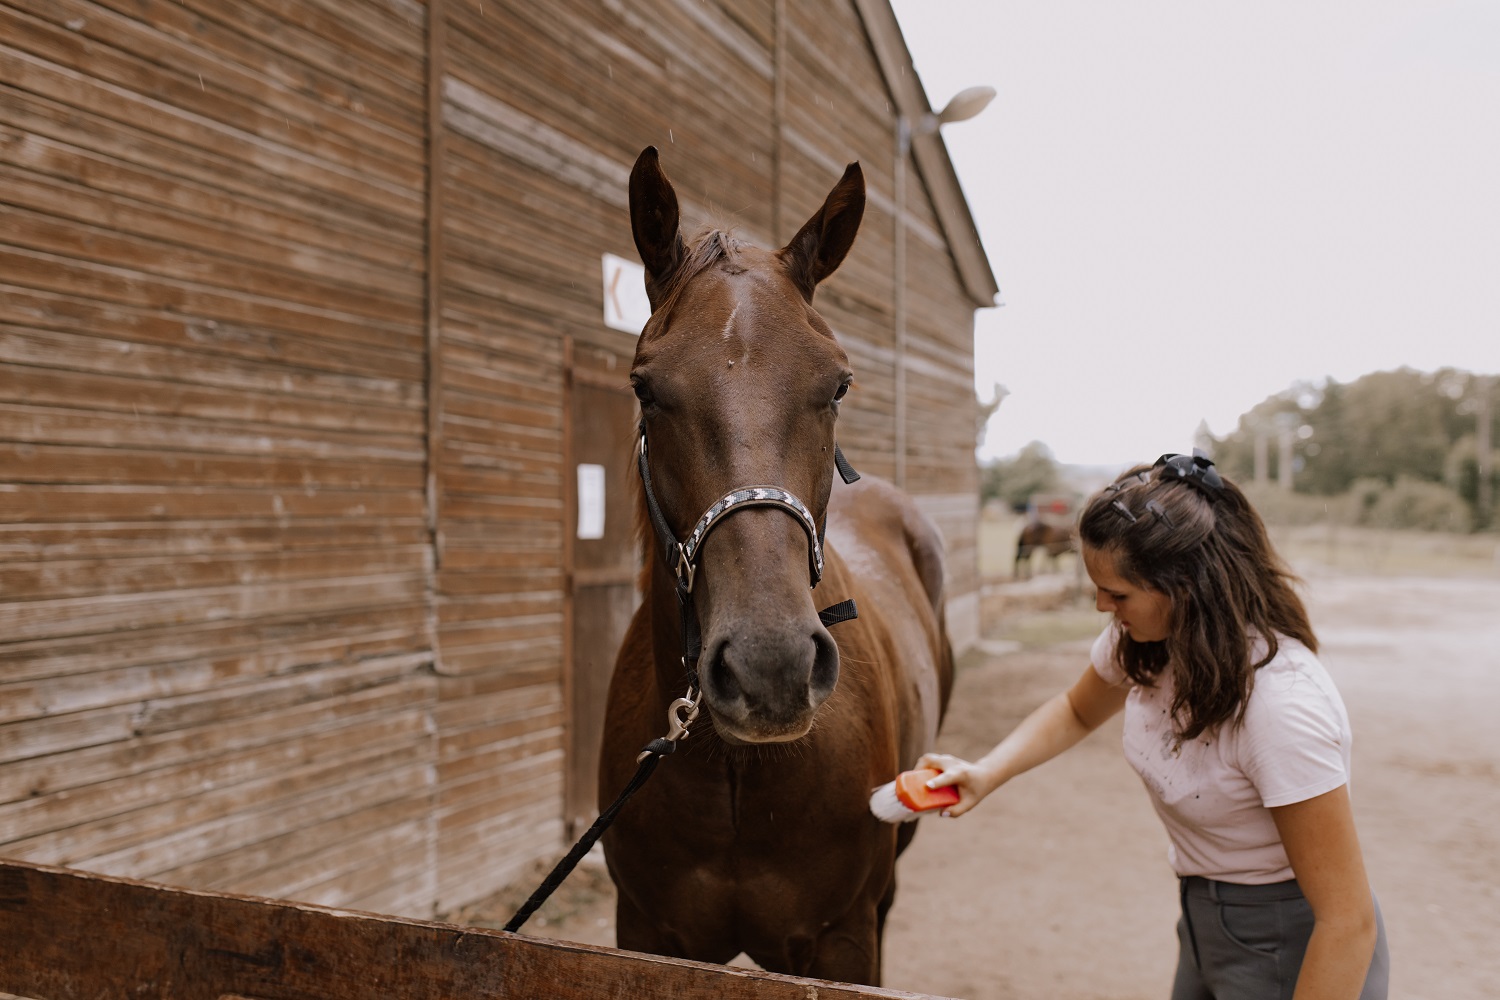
1400,449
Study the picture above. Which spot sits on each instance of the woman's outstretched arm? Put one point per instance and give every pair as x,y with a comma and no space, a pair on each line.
1057,724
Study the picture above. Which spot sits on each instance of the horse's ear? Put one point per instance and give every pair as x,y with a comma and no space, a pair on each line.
654,223
821,244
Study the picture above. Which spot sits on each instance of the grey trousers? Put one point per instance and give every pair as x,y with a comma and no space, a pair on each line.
1246,942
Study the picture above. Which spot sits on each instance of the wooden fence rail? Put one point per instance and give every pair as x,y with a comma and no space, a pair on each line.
74,935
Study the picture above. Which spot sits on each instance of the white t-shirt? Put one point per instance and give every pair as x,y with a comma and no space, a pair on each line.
1213,793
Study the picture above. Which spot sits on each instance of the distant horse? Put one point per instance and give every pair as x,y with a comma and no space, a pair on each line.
1036,535
756,836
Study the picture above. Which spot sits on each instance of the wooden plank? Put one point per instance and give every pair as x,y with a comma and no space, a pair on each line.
499,852
190,176
92,615
192,198
52,465
88,503
53,386
494,757
195,825
349,858
136,754
162,787
383,861
634,55
230,66
361,75
254,282
54,578
391,186
75,935
211,311
185,368
189,539
55,425
146,339
211,239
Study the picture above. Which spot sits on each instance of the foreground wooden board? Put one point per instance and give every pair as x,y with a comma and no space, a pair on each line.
74,935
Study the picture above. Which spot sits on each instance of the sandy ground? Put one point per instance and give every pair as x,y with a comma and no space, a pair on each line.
1058,885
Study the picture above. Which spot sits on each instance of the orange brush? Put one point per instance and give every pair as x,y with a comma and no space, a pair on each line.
908,797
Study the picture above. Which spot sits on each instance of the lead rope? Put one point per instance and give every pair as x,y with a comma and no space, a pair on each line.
649,758
682,711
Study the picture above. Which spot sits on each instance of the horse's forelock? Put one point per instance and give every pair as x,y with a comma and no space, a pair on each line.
710,247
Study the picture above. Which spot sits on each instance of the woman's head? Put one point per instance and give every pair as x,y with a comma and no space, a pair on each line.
1184,563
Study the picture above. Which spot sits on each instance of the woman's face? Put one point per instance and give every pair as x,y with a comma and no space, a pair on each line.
1145,614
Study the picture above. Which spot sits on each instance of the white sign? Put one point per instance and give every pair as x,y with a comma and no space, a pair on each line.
590,501
626,307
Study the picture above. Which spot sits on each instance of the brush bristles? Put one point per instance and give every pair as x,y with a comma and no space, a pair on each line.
888,808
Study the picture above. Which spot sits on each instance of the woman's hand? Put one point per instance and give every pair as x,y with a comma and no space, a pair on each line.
972,780
1053,727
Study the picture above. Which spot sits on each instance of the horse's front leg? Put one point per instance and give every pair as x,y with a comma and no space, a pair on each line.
849,951
635,930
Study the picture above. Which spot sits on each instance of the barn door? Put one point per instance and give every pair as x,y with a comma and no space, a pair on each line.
604,560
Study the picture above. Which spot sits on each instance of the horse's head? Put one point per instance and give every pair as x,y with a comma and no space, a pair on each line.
739,380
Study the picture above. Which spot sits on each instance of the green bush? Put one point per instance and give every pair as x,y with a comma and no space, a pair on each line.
1416,503
1288,510
1363,495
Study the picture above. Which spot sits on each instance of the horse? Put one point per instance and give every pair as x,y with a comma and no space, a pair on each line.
756,837
1036,535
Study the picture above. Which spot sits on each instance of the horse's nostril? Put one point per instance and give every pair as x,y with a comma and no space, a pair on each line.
825,668
768,685
718,677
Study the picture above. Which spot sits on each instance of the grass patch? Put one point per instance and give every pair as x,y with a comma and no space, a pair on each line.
1381,552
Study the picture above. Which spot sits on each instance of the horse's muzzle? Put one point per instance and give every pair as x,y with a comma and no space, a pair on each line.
767,688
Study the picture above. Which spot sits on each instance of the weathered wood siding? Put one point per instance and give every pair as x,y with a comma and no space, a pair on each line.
216,667
284,296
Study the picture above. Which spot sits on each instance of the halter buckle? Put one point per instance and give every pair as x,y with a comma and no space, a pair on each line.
686,570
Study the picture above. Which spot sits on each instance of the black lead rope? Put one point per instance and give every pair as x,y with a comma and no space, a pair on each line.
692,644
650,757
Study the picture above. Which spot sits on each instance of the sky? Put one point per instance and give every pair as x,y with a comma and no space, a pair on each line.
1192,206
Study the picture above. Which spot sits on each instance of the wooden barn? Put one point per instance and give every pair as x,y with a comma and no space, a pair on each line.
314,323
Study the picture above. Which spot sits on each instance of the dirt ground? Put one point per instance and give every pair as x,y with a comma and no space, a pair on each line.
1058,885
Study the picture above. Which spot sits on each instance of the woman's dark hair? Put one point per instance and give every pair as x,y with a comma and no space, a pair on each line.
1179,528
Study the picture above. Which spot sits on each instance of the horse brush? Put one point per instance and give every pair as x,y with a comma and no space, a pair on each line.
908,797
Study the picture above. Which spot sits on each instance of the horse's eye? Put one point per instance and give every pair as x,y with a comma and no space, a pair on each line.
842,391
642,391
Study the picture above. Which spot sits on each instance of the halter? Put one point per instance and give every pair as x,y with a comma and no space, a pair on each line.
682,559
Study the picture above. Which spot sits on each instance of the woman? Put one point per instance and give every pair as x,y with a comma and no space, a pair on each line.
1236,730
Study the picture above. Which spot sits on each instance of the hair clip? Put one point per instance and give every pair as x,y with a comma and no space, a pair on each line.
1134,479
1197,469
1155,507
1119,505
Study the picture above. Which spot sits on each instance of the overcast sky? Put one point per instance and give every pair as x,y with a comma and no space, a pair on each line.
1190,206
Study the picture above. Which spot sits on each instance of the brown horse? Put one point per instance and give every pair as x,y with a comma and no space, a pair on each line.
756,836
1050,538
